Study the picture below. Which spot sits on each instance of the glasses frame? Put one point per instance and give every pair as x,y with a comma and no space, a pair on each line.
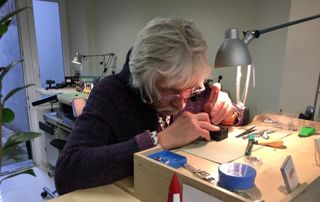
174,97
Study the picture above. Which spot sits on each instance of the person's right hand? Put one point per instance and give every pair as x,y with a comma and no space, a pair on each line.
187,128
219,106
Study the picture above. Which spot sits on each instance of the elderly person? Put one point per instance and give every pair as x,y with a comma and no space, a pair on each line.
157,99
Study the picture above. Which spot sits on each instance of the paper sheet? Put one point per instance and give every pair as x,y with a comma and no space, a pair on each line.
226,150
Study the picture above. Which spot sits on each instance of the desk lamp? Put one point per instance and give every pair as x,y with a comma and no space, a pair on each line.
234,52
105,62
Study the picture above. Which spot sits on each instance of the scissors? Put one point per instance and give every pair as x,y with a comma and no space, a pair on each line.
250,130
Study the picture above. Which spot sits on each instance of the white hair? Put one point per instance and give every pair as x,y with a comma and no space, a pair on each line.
169,49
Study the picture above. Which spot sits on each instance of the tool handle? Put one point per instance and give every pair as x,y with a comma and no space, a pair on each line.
271,142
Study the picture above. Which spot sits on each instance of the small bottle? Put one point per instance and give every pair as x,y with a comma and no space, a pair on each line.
249,145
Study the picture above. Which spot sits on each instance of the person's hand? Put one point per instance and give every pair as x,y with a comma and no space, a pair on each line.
187,128
219,106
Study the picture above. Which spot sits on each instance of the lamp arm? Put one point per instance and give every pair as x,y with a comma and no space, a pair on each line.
250,35
108,54
316,97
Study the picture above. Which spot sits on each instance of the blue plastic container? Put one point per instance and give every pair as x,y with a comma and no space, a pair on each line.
236,176
169,158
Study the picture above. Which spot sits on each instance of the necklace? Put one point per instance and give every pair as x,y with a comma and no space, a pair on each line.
164,121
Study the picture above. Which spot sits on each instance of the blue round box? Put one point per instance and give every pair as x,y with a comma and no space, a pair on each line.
236,176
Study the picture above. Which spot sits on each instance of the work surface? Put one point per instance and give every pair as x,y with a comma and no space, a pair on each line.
268,182
152,178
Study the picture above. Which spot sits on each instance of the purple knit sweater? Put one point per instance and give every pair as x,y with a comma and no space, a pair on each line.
115,124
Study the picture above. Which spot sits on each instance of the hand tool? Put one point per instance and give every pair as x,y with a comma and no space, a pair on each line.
272,142
250,130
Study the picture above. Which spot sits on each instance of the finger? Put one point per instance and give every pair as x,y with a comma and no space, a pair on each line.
222,108
217,85
207,107
229,113
202,117
218,111
220,102
215,89
205,135
205,127
208,126
225,112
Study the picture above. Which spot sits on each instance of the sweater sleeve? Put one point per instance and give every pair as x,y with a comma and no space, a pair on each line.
100,148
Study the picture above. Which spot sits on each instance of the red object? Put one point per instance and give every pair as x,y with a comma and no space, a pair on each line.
215,89
175,192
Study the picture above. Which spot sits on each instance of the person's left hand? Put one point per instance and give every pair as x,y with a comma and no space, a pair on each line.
219,106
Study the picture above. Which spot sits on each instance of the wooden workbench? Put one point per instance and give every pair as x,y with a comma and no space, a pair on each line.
151,178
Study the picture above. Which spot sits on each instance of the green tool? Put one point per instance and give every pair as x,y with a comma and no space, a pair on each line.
306,131
249,145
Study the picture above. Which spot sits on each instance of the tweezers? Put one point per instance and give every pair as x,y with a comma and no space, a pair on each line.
250,130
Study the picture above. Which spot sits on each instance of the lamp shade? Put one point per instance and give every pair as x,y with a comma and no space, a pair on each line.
77,59
233,51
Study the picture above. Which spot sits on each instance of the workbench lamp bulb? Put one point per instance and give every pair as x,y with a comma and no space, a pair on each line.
77,59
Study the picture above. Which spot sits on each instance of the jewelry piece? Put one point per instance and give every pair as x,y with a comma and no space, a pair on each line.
247,196
162,160
154,138
200,173
280,125
164,121
253,160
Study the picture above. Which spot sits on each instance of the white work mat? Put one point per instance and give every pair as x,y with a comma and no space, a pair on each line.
226,150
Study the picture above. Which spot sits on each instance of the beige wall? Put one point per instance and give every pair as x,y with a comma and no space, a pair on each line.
111,26
267,53
302,58
101,26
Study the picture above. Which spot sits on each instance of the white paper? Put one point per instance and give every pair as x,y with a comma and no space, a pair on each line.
317,151
289,174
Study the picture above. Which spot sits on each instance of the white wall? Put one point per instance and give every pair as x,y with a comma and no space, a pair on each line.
111,26
78,29
268,53
302,58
